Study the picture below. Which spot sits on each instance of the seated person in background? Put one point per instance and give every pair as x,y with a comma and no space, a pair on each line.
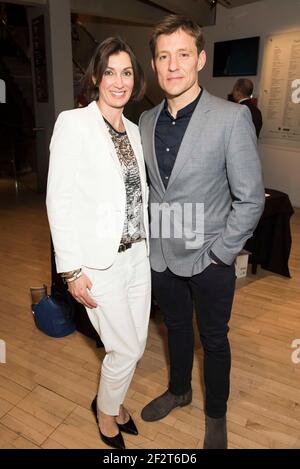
242,94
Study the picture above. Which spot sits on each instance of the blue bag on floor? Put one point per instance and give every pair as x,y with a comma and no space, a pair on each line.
53,315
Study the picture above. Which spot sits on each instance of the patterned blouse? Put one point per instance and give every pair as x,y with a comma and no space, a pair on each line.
133,226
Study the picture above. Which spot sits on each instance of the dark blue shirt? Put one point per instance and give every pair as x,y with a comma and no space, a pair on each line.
169,133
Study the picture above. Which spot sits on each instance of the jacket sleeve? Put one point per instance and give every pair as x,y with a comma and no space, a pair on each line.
247,188
65,148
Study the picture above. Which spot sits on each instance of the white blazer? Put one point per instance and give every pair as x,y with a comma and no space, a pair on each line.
86,196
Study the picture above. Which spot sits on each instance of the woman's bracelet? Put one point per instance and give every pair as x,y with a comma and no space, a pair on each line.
75,277
72,275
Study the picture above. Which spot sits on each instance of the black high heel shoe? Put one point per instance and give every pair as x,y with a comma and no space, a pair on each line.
128,427
113,441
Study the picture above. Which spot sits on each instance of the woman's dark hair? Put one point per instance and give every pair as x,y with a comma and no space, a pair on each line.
172,23
98,64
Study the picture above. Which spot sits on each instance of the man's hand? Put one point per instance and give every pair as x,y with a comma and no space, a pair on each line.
79,290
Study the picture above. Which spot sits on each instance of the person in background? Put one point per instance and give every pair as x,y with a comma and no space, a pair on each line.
206,198
242,94
97,209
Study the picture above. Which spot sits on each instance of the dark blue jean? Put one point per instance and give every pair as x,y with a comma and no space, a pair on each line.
212,293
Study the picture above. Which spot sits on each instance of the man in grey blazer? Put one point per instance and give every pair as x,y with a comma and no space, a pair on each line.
206,197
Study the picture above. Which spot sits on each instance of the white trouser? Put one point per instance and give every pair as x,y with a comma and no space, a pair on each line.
123,295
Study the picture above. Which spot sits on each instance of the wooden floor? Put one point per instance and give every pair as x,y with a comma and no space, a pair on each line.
46,384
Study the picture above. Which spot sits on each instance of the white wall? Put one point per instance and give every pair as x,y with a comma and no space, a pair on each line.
281,165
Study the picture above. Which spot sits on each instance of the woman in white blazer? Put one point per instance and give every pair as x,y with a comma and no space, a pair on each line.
97,209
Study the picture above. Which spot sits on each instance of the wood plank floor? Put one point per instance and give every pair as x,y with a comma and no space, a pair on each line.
46,384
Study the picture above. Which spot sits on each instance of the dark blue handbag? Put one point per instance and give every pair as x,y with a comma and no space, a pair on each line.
53,315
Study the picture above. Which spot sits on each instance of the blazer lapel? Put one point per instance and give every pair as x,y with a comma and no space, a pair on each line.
105,133
191,136
150,156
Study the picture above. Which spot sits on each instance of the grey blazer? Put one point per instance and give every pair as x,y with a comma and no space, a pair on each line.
215,194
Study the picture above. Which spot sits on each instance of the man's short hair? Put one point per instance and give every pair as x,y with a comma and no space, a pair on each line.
244,86
172,23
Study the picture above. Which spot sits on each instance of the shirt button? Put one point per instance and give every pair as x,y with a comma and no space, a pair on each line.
166,177
167,149
173,123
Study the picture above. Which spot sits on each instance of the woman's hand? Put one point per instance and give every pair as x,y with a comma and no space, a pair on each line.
79,290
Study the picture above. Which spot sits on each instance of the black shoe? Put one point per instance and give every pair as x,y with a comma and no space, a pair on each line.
128,427
113,441
162,405
215,433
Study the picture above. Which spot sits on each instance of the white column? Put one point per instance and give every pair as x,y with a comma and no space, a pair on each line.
52,73
61,54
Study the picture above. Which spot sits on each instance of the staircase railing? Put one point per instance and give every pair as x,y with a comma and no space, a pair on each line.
14,35
83,44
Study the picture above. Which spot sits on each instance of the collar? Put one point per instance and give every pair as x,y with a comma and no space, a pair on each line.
186,110
244,99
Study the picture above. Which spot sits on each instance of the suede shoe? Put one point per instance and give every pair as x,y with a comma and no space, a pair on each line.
162,405
215,433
